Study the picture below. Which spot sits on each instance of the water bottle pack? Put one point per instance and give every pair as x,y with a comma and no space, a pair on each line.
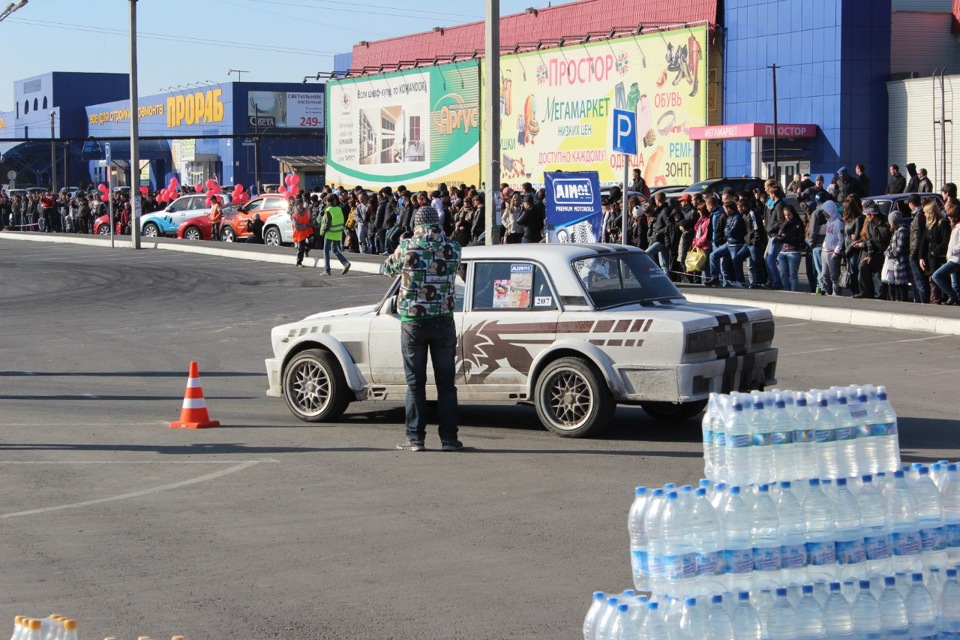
803,490
57,627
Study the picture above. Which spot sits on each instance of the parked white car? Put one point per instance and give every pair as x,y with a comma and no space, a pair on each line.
164,223
575,329
278,230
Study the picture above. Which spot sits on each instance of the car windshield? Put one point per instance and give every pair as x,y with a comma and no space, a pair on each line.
624,278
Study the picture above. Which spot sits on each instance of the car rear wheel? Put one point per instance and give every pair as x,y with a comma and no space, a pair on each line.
673,411
572,399
314,386
104,230
227,234
271,237
151,230
192,233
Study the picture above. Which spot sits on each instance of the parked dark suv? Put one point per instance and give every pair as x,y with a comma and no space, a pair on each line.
716,185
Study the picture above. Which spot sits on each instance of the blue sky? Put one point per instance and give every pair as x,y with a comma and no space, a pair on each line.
196,41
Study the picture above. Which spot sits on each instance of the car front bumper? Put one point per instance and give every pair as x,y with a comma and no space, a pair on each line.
696,381
273,377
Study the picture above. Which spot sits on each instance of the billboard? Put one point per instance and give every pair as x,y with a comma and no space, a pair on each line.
556,106
285,109
573,209
418,128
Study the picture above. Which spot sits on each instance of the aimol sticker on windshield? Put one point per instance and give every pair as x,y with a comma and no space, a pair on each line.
195,108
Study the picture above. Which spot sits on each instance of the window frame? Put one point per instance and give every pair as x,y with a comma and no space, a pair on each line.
555,305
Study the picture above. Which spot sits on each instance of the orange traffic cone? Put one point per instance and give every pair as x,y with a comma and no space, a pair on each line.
194,414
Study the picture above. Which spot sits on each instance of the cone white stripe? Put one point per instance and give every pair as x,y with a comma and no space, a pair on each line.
194,403
193,383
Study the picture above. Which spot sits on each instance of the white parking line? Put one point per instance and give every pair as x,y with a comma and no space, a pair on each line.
134,494
268,460
868,344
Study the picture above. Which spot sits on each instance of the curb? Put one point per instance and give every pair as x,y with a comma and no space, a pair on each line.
835,315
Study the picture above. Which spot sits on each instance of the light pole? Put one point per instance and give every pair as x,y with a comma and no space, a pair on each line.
491,131
53,154
238,72
10,8
134,132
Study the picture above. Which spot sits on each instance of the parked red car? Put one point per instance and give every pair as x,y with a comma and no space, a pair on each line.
199,228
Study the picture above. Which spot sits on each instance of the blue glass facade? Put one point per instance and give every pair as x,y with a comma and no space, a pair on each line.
834,59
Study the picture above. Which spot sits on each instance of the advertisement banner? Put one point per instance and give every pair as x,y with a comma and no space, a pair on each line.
417,128
574,212
285,110
556,106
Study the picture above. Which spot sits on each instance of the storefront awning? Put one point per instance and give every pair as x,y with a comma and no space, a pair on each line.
752,130
302,163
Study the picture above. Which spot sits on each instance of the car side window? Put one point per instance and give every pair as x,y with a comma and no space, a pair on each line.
511,286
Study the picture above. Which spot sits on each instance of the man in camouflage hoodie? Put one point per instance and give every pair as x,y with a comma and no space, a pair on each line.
427,264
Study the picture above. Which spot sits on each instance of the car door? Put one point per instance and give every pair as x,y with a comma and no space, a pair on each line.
512,316
386,361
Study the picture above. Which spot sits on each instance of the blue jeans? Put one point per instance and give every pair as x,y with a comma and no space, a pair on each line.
526,240
663,255
814,255
773,251
921,286
946,277
853,268
756,262
439,337
789,266
334,246
716,263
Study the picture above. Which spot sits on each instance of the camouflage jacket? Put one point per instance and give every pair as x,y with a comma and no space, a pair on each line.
427,264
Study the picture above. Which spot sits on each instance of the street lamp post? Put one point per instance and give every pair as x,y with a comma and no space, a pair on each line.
134,132
10,8
53,153
238,72
491,132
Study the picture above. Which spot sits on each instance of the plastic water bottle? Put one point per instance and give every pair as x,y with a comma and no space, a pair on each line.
781,442
861,411
764,530
33,629
837,617
810,617
876,529
653,627
718,495
607,616
930,519
736,520
804,440
638,539
885,430
950,501
826,438
905,542
851,554
921,611
593,615
69,630
651,524
746,623
762,455
622,627
938,473
846,437
739,439
866,614
818,531
708,542
782,621
693,623
679,559
638,611
708,428
893,611
718,626
950,607
793,549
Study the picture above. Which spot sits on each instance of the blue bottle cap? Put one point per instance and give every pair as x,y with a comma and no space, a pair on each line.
672,495
720,486
763,488
737,406
889,581
864,584
807,588
612,601
643,599
898,474
867,479
686,489
781,592
785,484
780,404
881,393
735,490
704,483
952,467
653,606
670,485
622,608
834,586
814,482
841,399
801,401
951,573
861,398
924,471
821,400
917,577
640,491
916,465
743,596
700,492
599,595
690,602
629,593
716,599
936,466
657,493
841,482
757,405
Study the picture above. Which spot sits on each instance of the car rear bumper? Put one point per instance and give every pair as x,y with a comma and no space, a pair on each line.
273,377
696,381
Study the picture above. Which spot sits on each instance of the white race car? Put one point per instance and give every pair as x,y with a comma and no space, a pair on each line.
573,328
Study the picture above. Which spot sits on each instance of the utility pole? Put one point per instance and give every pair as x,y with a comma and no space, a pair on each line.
134,132
53,153
776,127
256,147
491,133
66,158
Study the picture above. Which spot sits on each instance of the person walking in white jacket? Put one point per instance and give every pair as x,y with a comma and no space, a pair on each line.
832,248
946,277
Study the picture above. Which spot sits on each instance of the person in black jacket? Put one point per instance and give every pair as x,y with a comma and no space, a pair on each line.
873,241
896,183
735,233
918,228
772,221
933,247
659,235
791,240
913,183
532,219
755,240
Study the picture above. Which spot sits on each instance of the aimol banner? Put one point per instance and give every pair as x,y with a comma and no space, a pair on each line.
417,128
556,106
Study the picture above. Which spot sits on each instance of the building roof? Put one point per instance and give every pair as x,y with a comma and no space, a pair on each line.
302,162
544,25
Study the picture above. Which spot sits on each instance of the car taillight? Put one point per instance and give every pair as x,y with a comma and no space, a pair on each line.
763,332
700,341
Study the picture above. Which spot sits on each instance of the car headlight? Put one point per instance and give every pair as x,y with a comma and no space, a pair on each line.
700,341
763,332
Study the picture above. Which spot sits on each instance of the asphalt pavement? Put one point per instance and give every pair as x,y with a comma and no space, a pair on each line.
268,527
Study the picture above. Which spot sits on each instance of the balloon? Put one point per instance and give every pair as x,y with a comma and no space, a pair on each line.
239,188
244,197
210,183
294,190
295,179
144,190
105,198
198,188
217,189
282,190
288,181
102,188
174,183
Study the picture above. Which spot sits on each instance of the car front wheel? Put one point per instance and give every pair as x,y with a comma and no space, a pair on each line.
192,233
227,234
314,386
151,230
271,237
104,230
572,399
673,411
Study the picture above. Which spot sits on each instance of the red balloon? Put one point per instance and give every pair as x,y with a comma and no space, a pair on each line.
198,187
282,190
102,188
144,190
295,179
294,190
210,183
105,198
288,181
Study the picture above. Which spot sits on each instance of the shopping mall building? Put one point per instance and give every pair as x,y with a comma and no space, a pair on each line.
193,134
857,81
